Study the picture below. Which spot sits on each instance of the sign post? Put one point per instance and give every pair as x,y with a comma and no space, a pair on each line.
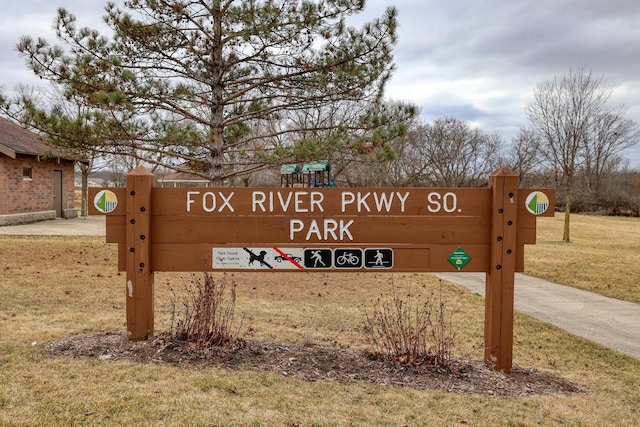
138,260
326,229
499,300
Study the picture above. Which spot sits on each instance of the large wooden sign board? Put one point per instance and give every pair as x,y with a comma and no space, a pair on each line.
325,229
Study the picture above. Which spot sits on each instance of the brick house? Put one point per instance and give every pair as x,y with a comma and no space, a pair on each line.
36,180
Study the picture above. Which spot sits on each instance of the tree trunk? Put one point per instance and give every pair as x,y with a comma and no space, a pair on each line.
216,130
567,213
215,158
84,170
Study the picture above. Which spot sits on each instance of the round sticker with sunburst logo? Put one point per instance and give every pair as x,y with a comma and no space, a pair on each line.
537,203
105,201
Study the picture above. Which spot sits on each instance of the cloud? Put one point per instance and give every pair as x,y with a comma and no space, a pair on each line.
478,61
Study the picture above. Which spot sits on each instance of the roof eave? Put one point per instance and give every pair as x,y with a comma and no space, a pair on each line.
8,152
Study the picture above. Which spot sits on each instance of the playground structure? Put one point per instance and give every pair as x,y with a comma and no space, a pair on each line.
311,175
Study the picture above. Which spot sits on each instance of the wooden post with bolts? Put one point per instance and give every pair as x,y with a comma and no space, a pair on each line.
498,324
138,260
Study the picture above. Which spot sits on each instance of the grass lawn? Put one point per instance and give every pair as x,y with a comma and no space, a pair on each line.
52,287
603,256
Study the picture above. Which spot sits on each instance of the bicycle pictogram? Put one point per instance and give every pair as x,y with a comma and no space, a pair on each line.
348,258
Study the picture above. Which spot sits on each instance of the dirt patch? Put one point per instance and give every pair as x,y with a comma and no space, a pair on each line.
314,363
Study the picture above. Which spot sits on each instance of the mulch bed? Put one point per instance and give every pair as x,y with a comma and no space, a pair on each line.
314,363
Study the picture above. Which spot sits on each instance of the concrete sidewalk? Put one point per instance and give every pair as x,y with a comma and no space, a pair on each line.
89,226
607,321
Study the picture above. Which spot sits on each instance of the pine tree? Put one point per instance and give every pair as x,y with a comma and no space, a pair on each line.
218,86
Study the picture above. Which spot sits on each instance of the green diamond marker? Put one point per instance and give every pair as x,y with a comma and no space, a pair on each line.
459,258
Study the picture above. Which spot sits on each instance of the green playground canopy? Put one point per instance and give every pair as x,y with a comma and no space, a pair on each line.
289,169
319,166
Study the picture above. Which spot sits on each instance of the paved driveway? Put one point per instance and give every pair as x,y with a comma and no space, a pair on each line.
89,226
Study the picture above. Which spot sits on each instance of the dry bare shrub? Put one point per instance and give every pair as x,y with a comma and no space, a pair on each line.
412,329
207,315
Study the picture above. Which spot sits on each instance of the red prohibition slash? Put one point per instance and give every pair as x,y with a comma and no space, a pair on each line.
288,258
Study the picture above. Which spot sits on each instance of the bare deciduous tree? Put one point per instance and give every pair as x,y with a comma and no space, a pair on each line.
447,153
562,111
610,134
524,154
406,169
458,155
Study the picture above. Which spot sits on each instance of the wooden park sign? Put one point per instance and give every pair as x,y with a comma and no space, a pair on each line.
325,229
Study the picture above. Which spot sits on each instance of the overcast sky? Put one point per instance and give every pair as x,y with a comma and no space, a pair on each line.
477,61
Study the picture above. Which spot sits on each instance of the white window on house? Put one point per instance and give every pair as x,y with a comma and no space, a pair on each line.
27,174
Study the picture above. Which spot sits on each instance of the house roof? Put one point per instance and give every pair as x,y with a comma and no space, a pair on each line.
182,177
15,140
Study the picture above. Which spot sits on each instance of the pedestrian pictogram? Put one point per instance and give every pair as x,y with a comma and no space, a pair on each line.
318,258
347,258
378,258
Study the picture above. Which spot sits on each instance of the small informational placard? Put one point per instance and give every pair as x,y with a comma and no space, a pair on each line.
258,258
459,258
275,258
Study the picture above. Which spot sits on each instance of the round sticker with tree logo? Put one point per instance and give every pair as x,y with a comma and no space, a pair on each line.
105,201
537,202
